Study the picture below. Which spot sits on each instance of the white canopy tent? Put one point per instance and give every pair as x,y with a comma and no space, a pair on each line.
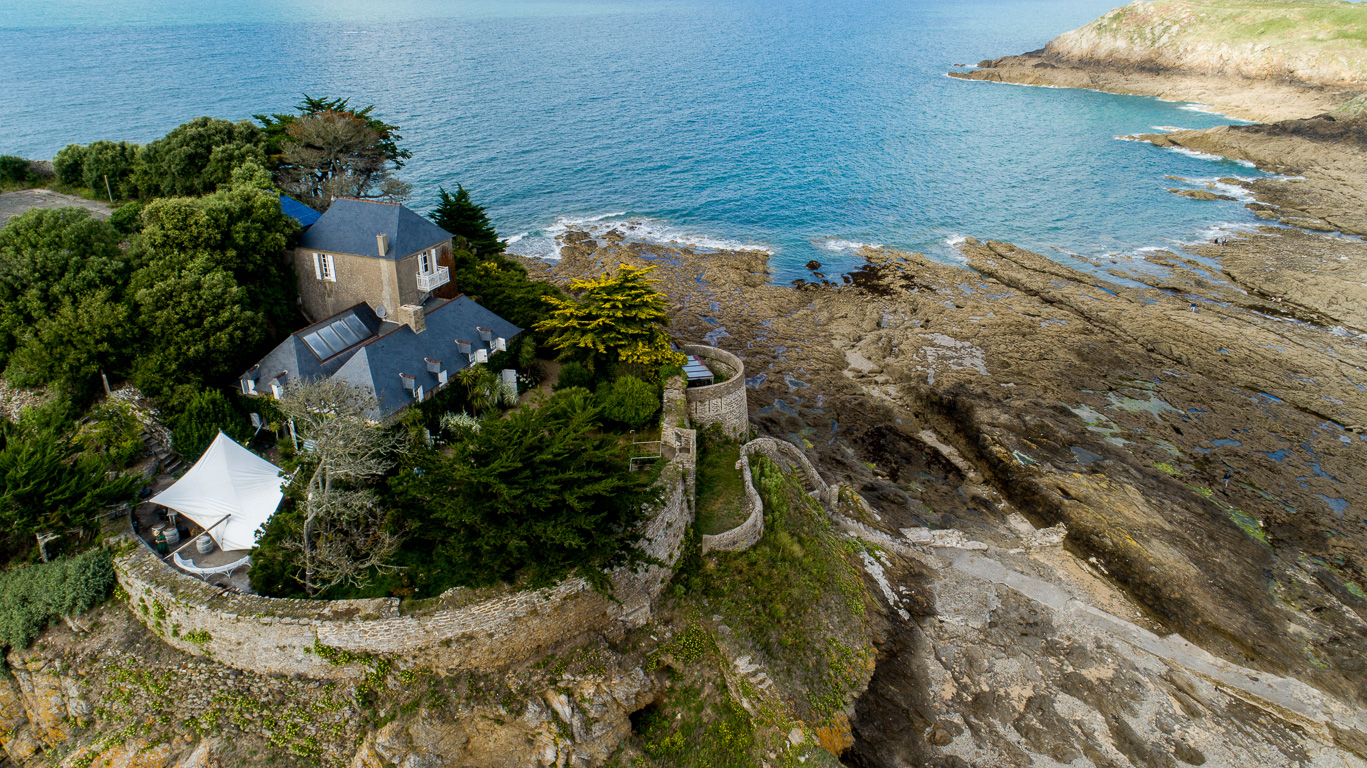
231,492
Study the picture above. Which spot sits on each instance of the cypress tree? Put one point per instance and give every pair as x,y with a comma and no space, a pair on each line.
459,215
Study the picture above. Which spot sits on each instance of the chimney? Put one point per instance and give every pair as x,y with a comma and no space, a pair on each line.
412,316
383,242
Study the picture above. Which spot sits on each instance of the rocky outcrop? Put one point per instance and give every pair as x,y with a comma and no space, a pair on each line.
1305,42
1262,62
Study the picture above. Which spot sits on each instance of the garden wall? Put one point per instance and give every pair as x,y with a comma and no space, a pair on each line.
725,403
748,533
461,629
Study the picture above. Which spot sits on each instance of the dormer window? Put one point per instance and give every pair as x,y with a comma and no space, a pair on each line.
323,267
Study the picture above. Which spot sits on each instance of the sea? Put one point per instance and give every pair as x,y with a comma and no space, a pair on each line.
806,128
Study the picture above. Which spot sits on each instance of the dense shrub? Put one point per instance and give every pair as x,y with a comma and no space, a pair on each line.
630,402
113,430
537,494
574,375
48,484
204,414
126,219
198,157
69,165
34,596
15,170
112,161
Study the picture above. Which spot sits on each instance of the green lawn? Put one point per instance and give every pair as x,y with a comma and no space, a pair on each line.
721,491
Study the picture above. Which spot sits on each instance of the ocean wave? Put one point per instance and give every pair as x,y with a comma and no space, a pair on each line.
1207,156
543,243
1205,109
1233,190
1168,128
837,245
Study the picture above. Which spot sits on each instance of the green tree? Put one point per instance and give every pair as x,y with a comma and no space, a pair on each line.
460,216
196,322
630,402
48,484
198,157
240,230
614,319
540,494
276,127
206,413
69,165
113,162
62,314
337,154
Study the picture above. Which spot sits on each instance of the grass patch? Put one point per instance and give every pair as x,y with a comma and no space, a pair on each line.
721,490
793,596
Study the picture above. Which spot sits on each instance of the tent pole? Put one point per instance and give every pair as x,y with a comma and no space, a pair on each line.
189,540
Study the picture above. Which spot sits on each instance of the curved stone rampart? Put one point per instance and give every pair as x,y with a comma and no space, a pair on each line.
748,533
462,629
724,404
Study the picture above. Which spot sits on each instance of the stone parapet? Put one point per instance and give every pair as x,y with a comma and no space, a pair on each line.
748,533
462,629
724,404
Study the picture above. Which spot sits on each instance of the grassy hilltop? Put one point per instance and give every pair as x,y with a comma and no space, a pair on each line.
1312,41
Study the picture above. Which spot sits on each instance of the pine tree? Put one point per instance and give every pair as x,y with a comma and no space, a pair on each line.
459,215
615,318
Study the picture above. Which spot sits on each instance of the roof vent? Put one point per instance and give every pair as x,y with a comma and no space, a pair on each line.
382,242
463,347
433,366
485,334
409,383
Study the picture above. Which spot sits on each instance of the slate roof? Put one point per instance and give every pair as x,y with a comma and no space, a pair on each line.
376,361
296,210
350,226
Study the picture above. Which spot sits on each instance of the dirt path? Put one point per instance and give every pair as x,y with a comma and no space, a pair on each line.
14,203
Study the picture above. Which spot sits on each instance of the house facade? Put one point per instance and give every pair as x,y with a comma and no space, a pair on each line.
382,254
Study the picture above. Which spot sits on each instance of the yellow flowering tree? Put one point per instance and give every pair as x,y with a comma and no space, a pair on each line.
615,318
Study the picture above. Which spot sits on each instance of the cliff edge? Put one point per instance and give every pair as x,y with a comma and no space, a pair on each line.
1253,59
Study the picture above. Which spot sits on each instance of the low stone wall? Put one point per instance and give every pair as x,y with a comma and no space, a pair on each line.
725,403
748,533
462,629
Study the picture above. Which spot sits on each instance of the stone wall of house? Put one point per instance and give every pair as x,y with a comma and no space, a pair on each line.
461,629
369,279
725,403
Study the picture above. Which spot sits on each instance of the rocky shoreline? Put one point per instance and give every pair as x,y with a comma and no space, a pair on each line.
1197,426
1239,97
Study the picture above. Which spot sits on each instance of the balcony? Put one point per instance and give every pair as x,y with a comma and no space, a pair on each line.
433,280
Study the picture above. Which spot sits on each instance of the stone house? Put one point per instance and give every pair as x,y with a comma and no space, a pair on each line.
375,282
382,254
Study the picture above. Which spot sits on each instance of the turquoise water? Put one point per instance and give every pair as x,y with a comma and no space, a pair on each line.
802,127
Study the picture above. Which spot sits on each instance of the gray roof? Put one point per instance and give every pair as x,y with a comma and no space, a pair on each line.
350,226
376,362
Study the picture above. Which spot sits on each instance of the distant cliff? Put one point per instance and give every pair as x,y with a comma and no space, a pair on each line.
1309,41
1261,60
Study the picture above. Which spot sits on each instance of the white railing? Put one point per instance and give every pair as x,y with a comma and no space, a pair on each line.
434,280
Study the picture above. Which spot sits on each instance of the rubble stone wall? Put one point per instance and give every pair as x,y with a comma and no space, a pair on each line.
462,629
725,403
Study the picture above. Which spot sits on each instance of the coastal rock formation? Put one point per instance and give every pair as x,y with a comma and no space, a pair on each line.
1193,428
1262,62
